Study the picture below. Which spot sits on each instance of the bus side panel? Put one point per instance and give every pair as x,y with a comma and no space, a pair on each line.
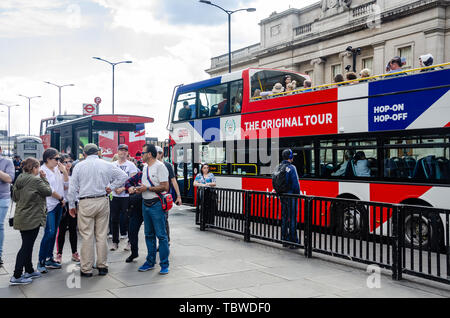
302,121
46,141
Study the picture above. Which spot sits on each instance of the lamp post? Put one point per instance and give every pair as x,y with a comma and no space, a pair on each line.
29,110
113,67
9,124
229,13
59,87
355,53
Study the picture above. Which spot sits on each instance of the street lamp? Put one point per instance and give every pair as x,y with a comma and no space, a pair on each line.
229,12
59,86
29,110
113,67
354,52
9,124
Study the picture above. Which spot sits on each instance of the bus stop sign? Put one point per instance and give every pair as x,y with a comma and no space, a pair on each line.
90,109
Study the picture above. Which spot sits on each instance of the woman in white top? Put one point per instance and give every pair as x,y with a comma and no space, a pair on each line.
361,165
57,177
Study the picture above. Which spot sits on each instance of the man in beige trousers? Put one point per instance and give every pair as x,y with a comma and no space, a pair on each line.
88,184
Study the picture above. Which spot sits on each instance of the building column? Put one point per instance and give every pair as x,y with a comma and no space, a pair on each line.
435,45
319,71
379,61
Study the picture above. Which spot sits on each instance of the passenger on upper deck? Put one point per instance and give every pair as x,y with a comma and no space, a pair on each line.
223,105
364,73
426,60
361,165
307,84
287,79
291,86
277,88
185,112
339,78
395,65
235,104
350,76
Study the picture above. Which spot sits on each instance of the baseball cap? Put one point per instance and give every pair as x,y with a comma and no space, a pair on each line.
90,149
158,149
122,146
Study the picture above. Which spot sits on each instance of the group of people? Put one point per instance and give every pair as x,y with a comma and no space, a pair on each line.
395,65
59,196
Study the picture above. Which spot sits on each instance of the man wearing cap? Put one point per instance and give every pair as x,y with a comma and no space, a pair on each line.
89,182
173,185
289,205
119,203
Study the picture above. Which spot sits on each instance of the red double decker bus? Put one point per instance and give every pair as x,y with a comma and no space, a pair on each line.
396,125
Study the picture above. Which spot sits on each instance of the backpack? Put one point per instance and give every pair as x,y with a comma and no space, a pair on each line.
279,179
165,198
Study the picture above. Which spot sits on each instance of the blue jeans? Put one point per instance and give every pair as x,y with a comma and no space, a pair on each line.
49,238
4,206
155,226
289,220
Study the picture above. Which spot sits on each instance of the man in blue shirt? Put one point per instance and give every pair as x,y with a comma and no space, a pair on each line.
289,206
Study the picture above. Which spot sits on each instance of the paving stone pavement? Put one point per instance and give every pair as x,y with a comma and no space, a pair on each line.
211,264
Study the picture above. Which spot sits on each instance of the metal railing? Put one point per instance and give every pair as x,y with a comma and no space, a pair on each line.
405,239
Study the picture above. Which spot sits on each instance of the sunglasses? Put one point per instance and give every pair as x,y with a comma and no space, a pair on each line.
57,158
66,162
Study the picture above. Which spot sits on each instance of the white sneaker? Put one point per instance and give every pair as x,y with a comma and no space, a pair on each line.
114,247
128,247
122,237
110,236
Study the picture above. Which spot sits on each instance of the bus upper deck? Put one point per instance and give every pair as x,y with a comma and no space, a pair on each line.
386,102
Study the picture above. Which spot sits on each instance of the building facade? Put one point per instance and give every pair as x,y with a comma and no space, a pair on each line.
314,40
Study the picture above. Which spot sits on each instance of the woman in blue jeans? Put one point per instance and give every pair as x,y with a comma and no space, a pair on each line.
154,180
57,177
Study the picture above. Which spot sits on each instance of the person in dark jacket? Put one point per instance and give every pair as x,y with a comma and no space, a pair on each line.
289,205
29,192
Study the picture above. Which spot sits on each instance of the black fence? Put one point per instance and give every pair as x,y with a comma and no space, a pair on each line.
405,239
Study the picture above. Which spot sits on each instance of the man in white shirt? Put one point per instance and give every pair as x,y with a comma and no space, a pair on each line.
154,216
119,203
57,177
89,182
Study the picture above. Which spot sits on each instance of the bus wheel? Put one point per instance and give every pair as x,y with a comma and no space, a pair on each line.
352,221
418,231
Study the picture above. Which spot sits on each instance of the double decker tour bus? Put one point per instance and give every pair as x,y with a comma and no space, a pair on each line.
399,122
106,131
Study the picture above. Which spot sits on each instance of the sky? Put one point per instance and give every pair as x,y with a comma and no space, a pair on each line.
170,42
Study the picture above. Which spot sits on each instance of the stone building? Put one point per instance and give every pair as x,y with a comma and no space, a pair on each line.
313,40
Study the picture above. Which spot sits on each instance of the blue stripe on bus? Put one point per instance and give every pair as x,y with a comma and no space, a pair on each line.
399,111
195,86
208,129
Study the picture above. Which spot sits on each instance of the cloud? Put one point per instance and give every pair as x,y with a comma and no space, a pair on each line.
24,18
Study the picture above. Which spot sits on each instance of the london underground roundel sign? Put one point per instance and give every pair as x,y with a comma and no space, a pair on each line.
89,109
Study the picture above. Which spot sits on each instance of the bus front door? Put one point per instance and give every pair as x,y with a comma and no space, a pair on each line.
184,173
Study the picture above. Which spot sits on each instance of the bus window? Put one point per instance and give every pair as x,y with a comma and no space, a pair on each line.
214,100
214,155
263,81
185,107
420,158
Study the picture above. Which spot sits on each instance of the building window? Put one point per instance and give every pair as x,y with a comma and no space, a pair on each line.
406,52
368,63
335,70
275,30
